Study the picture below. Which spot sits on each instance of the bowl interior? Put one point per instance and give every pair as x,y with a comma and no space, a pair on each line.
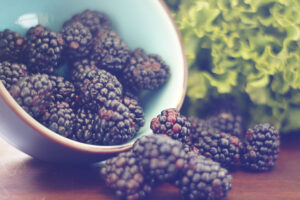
142,24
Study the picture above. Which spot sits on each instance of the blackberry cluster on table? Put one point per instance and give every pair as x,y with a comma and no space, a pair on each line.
73,81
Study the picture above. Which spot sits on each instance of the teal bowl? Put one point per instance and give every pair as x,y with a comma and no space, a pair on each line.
146,24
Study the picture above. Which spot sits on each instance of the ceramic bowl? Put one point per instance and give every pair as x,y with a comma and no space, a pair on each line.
147,24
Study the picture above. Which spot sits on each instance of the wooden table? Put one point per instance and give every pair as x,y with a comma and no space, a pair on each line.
24,178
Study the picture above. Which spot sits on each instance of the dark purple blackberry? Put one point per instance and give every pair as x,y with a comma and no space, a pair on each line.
114,124
124,175
44,52
261,147
60,118
171,123
227,122
135,109
220,147
93,20
11,73
33,93
204,179
99,86
77,38
63,90
160,156
83,129
110,51
80,68
144,71
12,46
197,126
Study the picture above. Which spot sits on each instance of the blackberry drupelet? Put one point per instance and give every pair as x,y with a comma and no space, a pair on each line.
145,71
261,147
110,51
80,68
114,124
203,179
124,175
227,122
45,48
135,109
160,156
11,73
33,94
98,87
63,90
77,38
83,128
12,46
93,20
171,123
220,147
60,118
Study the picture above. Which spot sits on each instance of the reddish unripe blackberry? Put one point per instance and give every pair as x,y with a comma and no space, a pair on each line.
11,73
114,123
144,71
12,46
261,147
93,20
44,52
125,176
160,156
171,123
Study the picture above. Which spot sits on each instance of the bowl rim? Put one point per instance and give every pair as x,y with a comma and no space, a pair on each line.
83,147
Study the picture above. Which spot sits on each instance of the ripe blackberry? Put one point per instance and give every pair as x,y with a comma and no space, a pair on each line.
135,109
220,147
44,52
60,118
77,38
12,46
10,73
63,90
145,71
261,147
124,175
203,179
114,124
160,156
110,51
197,126
93,20
227,122
83,128
33,93
171,123
80,68
98,87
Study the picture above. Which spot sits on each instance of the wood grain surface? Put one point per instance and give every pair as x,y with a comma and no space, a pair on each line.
24,178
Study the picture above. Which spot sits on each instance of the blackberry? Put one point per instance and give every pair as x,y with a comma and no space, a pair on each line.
135,109
124,175
160,156
77,38
44,52
93,20
10,73
12,46
145,71
83,128
114,124
80,68
261,147
220,147
60,118
171,123
98,87
203,179
33,93
110,51
227,122
197,126
63,90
